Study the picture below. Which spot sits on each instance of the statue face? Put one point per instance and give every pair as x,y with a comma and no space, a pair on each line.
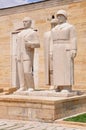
27,23
61,19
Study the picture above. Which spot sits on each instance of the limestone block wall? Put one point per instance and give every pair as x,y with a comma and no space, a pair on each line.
41,13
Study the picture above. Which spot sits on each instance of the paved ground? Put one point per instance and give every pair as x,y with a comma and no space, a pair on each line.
28,125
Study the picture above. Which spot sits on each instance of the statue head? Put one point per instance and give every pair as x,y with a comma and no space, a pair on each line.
27,22
61,16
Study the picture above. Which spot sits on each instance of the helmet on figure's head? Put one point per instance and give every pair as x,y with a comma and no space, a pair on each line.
62,12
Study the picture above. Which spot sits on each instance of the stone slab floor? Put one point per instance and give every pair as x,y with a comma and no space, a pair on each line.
31,125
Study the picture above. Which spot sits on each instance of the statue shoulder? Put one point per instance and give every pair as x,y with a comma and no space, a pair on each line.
30,31
70,25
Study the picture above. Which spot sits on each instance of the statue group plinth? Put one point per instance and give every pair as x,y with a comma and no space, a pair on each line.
60,48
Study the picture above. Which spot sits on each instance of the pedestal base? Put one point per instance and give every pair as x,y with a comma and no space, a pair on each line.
40,108
46,93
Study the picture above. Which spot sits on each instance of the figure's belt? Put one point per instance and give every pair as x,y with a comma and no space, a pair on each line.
61,42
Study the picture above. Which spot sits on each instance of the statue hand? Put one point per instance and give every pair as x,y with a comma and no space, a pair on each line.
28,49
27,45
32,45
15,56
73,53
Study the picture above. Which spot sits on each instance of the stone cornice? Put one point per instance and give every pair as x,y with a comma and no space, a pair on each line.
35,6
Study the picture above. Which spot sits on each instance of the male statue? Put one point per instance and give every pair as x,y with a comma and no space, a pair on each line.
27,41
64,52
48,55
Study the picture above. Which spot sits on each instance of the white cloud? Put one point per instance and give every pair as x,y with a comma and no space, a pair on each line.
11,3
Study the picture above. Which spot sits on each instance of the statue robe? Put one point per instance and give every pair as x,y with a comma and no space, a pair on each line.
64,42
48,47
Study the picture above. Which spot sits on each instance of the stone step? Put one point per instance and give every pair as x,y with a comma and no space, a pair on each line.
3,127
10,90
1,90
17,126
7,91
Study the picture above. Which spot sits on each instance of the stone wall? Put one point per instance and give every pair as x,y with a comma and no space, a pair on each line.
41,14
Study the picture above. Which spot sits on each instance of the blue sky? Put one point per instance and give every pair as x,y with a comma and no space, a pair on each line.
11,3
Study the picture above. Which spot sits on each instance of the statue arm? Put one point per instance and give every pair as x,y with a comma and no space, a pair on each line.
73,41
32,41
18,48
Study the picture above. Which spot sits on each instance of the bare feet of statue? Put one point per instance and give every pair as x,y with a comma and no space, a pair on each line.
58,88
20,89
65,91
52,88
30,90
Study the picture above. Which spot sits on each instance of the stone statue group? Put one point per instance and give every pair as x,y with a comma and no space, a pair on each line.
59,50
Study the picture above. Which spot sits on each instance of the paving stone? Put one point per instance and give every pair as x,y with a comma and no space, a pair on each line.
40,128
32,125
15,127
26,127
70,129
51,127
29,126
2,123
6,126
59,128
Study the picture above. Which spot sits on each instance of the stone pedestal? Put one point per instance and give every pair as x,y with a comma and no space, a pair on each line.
40,108
46,93
1,90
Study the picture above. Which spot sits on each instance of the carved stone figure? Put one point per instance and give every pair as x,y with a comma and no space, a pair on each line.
48,55
27,41
64,52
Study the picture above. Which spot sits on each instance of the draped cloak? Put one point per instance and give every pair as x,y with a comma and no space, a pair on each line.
48,47
26,39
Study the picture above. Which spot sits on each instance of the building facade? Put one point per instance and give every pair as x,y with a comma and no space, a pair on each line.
41,13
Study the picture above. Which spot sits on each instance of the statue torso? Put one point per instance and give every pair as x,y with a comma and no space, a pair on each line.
61,32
